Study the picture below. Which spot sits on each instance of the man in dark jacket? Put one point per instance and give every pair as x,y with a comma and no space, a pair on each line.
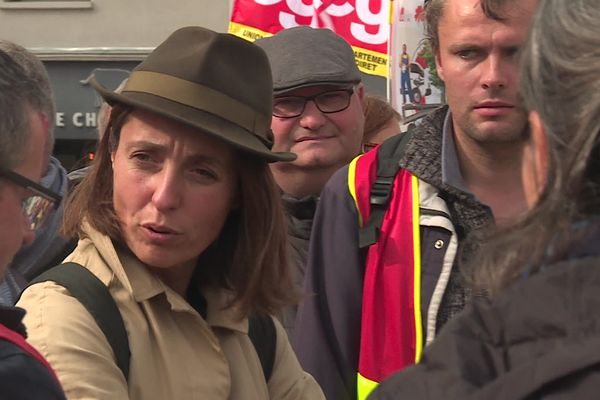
466,161
317,114
25,146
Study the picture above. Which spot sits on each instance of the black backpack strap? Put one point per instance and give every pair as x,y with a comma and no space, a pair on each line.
262,333
388,163
95,297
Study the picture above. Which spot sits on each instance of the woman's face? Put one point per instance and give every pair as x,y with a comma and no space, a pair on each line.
173,189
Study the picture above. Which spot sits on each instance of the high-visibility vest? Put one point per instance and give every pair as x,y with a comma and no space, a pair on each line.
391,328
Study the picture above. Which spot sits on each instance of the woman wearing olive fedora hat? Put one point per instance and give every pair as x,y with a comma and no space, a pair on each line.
180,219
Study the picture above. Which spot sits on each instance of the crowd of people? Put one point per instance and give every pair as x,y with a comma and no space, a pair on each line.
263,230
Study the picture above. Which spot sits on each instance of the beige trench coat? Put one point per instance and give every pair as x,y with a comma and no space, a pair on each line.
175,353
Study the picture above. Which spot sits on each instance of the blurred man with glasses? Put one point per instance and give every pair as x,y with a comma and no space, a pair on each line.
25,145
46,249
317,114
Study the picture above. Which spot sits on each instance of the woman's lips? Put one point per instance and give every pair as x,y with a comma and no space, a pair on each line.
158,233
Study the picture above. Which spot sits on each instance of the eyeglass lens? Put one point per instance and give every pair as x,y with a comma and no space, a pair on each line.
327,102
36,209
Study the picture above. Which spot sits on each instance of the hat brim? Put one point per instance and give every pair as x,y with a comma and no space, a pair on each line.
341,84
213,125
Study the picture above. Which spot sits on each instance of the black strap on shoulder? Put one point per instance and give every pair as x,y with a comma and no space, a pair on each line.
388,163
95,297
261,331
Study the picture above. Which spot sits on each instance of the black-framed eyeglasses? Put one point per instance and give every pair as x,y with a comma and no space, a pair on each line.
39,204
328,102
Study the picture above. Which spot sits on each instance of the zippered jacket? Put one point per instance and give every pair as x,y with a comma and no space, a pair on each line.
328,327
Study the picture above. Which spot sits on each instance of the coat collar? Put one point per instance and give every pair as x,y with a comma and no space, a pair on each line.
423,157
143,285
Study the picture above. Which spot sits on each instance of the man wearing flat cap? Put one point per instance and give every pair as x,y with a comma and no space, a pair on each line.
317,114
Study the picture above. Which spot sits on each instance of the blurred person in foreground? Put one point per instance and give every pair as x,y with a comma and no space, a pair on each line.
25,143
539,336
180,218
33,258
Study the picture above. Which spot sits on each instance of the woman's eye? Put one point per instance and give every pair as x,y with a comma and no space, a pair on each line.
141,157
145,161
203,173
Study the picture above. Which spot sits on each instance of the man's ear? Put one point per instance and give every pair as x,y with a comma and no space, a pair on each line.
438,65
541,156
360,92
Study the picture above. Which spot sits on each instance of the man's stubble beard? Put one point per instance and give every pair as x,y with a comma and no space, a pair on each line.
504,134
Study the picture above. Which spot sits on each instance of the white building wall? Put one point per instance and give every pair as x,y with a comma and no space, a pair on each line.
107,23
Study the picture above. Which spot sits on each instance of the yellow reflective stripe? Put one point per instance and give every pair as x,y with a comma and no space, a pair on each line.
364,386
417,269
352,186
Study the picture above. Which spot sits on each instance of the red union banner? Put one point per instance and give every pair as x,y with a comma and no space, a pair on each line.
363,23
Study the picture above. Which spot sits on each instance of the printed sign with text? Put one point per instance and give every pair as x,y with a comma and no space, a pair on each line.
363,23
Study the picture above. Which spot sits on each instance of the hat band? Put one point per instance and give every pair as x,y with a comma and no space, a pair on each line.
200,97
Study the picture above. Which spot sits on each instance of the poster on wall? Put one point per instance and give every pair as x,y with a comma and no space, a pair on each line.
414,88
365,24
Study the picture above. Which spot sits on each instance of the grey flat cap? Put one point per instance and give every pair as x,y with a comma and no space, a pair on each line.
303,56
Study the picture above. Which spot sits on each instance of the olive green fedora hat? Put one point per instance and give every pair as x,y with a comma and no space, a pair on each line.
216,82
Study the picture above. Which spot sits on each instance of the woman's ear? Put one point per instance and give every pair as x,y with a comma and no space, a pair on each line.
540,149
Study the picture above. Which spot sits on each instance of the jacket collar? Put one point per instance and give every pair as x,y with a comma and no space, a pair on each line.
423,157
143,285
302,209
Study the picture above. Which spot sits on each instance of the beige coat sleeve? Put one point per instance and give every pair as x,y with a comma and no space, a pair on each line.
67,335
288,380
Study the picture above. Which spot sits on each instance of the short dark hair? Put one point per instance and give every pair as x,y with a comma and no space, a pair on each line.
434,11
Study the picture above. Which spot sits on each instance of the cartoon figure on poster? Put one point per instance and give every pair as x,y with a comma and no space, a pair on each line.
405,75
415,87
